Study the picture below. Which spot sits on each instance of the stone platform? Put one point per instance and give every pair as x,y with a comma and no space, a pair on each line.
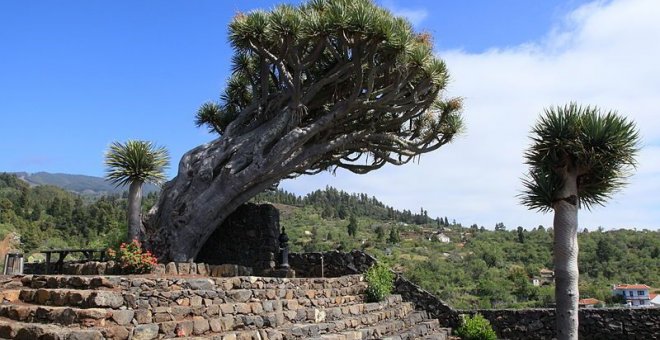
247,307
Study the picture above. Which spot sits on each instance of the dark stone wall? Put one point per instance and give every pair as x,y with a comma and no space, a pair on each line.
335,263
248,237
424,300
597,323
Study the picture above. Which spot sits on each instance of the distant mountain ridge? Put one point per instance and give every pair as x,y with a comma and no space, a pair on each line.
81,184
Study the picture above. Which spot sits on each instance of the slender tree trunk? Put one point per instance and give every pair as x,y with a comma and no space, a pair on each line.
134,211
566,258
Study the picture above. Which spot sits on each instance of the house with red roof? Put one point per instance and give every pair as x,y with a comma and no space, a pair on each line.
635,295
589,303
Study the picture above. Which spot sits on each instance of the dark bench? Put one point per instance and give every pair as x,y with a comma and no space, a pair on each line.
63,253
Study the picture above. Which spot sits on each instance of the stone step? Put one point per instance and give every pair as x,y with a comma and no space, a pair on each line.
10,282
9,295
74,297
305,297
215,326
428,329
88,317
419,330
187,297
166,318
256,314
11,329
174,283
410,327
302,330
71,282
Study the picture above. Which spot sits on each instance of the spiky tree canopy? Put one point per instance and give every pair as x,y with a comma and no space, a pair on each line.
136,161
600,147
352,80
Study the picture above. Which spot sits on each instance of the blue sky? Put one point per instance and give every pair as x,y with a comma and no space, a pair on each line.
77,75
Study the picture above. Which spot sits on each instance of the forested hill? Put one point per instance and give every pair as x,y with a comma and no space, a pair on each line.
46,216
332,203
81,184
472,266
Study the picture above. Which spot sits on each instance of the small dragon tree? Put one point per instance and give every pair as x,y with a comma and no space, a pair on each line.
578,157
323,85
133,164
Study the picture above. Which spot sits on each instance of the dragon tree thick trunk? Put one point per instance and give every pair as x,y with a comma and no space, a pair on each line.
134,211
566,258
197,201
212,181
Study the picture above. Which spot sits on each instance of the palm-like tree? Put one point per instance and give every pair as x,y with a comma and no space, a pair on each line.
134,164
578,157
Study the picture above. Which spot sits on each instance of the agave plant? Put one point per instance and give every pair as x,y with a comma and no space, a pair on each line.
135,163
578,158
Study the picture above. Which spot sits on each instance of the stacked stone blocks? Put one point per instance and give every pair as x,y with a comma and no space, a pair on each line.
151,307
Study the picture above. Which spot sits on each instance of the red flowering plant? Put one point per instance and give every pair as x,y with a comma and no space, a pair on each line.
132,258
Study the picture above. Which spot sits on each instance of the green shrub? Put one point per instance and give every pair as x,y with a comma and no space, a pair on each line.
380,282
476,328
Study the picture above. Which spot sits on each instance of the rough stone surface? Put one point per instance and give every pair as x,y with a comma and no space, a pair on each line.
170,269
330,264
123,317
183,268
201,284
103,298
85,335
248,237
145,332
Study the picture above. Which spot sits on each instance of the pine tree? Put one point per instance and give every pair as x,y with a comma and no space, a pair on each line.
352,226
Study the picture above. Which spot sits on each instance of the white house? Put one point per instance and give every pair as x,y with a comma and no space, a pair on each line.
635,295
440,237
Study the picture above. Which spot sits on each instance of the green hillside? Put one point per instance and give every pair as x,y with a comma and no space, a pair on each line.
46,216
476,268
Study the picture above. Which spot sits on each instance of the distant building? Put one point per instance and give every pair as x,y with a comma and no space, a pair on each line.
589,303
547,273
655,300
635,295
546,276
439,237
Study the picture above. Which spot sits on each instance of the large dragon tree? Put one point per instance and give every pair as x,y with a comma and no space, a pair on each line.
578,157
324,85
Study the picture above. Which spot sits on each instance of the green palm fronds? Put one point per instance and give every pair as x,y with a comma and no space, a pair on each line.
601,147
136,161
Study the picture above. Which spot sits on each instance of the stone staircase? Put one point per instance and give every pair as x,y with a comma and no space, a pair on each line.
240,308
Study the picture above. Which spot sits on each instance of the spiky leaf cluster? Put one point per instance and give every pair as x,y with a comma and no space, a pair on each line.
136,160
600,147
348,71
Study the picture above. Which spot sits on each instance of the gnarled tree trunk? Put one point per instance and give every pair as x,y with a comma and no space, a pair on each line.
566,258
215,178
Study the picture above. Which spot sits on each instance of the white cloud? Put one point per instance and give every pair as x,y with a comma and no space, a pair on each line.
603,54
415,15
